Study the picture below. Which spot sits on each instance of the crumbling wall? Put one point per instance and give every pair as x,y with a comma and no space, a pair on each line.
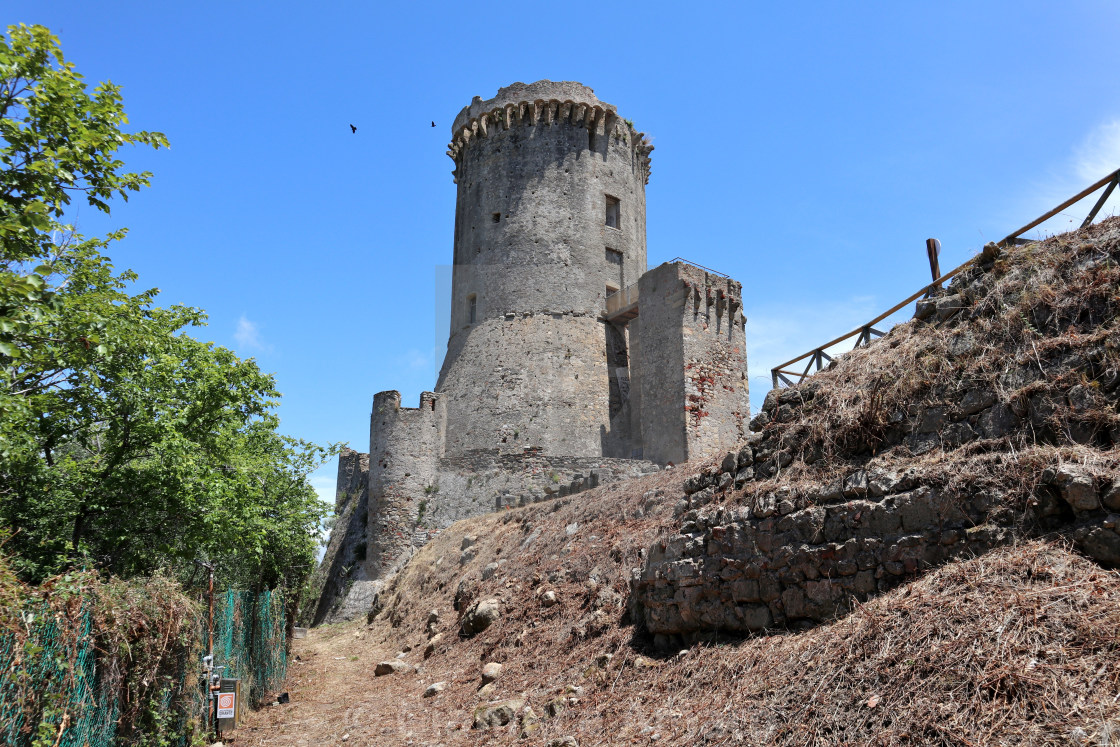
692,359
789,556
343,563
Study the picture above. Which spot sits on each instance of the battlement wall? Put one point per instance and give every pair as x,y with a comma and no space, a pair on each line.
692,359
546,103
405,444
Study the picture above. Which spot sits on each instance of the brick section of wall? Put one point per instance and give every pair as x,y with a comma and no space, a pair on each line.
692,357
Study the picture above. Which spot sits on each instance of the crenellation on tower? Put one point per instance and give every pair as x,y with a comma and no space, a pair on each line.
568,364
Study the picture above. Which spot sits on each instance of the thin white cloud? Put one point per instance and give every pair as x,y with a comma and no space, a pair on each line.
414,359
248,335
1097,155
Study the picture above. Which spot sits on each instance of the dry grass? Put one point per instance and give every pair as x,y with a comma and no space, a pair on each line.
1017,647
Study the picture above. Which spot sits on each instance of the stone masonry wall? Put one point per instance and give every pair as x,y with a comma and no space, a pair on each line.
530,380
404,448
476,483
533,258
691,354
343,562
786,557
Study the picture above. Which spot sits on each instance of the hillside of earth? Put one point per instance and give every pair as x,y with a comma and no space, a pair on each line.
917,545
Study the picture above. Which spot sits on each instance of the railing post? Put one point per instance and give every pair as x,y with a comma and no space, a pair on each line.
933,251
774,376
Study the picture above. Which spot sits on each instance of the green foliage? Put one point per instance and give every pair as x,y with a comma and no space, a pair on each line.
59,141
125,443
84,661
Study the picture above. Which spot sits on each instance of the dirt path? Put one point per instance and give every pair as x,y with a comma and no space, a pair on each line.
333,694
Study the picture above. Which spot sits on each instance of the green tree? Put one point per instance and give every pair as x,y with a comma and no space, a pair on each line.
124,442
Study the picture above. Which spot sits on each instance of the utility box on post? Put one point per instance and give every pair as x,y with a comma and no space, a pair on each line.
229,704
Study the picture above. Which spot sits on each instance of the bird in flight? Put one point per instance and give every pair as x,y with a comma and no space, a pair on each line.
353,129
433,124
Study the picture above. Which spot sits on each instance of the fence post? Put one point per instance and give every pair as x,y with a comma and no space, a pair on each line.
933,250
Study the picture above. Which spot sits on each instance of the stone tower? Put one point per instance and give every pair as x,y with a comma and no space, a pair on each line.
550,218
568,366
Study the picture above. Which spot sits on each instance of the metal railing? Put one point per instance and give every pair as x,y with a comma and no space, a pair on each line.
780,374
619,300
694,264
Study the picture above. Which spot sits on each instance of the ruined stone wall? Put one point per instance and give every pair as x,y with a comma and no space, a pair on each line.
993,416
692,358
343,562
533,259
405,445
801,556
462,486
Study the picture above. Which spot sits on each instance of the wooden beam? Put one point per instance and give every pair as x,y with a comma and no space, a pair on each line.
1100,203
933,251
1077,197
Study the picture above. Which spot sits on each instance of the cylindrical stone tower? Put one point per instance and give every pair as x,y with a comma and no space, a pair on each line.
550,218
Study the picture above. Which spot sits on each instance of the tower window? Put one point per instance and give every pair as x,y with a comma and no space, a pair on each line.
472,308
614,256
496,217
613,212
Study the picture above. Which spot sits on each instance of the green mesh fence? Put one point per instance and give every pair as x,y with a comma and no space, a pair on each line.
49,678
250,640
49,674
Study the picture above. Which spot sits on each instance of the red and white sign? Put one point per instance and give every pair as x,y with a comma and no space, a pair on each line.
226,704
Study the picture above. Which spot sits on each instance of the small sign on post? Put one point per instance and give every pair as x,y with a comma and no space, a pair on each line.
228,702
227,705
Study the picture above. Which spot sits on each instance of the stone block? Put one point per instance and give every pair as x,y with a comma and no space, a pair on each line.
949,306
997,421
754,617
1076,487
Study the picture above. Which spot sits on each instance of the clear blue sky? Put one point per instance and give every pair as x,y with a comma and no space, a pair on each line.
806,149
